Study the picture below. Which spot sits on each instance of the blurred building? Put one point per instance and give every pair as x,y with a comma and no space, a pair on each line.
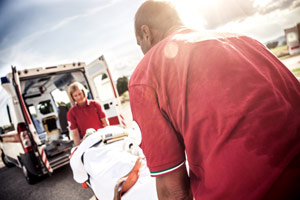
292,36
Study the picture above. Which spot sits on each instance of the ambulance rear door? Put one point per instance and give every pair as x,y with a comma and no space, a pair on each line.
104,90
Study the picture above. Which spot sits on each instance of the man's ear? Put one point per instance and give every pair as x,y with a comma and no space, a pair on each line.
147,34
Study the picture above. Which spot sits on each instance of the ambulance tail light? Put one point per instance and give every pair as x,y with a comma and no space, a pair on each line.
23,133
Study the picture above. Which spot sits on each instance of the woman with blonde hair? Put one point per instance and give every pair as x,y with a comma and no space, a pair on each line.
84,114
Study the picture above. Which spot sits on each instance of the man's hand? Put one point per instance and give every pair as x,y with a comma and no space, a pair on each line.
174,185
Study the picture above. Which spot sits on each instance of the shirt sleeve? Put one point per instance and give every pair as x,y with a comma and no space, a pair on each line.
71,120
163,151
102,114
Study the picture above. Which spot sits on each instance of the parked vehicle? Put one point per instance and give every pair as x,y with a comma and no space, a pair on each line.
292,36
34,131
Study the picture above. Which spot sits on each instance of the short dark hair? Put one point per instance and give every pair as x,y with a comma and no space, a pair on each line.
160,15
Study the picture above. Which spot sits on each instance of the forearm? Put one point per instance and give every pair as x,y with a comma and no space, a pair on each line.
165,193
76,137
175,185
105,122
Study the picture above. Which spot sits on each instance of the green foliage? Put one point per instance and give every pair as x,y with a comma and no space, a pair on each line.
61,103
272,45
122,85
296,72
281,51
68,105
283,43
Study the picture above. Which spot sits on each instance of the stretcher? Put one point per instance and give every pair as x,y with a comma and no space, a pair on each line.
110,162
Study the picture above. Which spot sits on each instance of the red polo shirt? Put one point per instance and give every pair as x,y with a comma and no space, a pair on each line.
230,104
86,116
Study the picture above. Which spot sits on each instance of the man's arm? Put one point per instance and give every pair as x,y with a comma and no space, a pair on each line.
174,185
76,137
158,136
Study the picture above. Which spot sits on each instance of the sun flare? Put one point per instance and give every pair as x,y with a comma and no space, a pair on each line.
190,11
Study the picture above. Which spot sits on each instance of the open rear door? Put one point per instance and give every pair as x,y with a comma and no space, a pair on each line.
32,133
25,113
104,90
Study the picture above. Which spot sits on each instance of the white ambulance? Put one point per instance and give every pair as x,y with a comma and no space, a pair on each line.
34,132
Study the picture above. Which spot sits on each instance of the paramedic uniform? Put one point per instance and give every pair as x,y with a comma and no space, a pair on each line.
230,104
86,116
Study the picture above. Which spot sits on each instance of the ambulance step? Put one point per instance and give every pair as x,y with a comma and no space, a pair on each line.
55,150
60,160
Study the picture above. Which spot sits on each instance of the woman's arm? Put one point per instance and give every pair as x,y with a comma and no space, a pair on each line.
105,122
76,137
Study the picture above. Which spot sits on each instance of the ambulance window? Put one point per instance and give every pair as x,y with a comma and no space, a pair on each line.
104,87
5,120
32,110
45,107
60,97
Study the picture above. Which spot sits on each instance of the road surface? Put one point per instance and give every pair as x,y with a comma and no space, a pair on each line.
60,185
292,62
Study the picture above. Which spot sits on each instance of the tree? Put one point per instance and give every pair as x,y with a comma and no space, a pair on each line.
122,85
283,43
272,45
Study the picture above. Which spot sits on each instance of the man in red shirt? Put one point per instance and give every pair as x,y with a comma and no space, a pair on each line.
84,114
221,101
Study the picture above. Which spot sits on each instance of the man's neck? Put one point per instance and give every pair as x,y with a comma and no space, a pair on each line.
172,30
159,35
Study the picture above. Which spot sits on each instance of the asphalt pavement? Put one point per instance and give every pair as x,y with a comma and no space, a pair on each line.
292,62
59,186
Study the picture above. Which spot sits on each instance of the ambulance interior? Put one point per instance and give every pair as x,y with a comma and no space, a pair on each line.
48,103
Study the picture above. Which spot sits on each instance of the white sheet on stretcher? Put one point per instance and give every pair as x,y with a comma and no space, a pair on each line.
106,164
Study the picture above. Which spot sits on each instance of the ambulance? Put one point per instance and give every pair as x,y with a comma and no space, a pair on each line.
34,133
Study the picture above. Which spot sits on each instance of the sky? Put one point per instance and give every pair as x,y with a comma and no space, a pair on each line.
42,33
